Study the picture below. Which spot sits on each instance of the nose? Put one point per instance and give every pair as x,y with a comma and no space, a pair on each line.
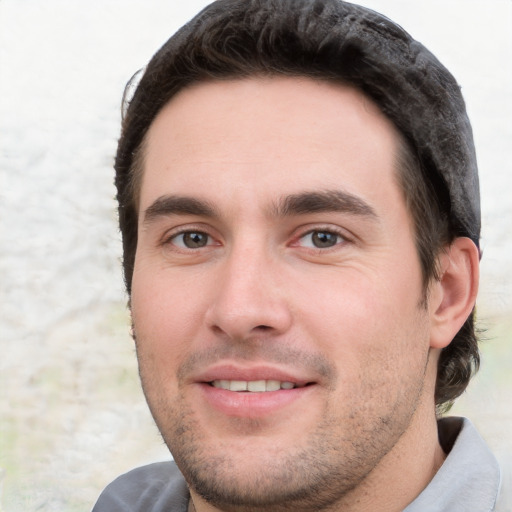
250,298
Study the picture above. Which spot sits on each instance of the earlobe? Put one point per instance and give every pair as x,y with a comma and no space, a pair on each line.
455,293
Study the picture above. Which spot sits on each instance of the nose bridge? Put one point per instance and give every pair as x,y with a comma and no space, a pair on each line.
248,296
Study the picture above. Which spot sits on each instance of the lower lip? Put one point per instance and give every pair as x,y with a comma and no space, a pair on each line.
252,405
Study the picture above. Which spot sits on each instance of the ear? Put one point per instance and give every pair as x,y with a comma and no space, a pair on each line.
453,296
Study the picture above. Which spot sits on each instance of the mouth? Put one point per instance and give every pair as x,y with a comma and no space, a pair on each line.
255,386
257,391
253,399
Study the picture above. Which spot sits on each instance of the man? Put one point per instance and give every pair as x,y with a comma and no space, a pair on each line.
298,197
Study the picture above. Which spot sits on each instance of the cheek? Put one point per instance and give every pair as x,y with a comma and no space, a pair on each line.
361,318
166,313
377,343
163,296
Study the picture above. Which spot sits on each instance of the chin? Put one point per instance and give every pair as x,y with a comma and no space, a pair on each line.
257,473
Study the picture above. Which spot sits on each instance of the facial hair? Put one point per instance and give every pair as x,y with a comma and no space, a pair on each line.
337,456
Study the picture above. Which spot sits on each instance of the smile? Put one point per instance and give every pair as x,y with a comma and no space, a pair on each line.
253,398
253,386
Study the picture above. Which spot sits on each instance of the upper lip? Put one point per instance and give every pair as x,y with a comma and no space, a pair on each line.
252,373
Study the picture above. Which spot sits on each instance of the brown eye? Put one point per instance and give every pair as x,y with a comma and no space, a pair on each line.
191,240
321,239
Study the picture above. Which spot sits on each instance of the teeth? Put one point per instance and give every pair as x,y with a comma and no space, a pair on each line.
238,385
273,385
254,386
257,386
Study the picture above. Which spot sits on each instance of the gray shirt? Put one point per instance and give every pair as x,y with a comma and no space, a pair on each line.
468,481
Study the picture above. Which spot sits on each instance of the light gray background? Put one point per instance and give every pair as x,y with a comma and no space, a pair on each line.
72,416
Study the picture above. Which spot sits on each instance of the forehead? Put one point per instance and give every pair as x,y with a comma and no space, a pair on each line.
279,134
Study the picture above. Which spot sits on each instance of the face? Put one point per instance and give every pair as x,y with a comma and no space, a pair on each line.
275,298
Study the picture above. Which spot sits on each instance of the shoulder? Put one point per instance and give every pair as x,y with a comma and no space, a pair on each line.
157,487
470,477
505,499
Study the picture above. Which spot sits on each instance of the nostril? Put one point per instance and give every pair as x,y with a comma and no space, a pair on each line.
263,327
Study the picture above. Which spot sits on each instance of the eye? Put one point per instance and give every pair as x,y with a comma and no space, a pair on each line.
191,240
321,239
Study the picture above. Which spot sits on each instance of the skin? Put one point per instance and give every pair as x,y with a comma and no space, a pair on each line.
274,243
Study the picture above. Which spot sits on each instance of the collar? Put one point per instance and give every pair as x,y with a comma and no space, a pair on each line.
469,478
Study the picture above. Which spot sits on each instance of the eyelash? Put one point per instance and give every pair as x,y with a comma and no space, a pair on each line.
170,238
341,238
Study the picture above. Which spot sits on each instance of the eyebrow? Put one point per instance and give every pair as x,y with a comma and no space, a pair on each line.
323,201
168,205
302,203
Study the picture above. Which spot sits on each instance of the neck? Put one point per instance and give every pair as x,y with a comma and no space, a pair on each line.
403,473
